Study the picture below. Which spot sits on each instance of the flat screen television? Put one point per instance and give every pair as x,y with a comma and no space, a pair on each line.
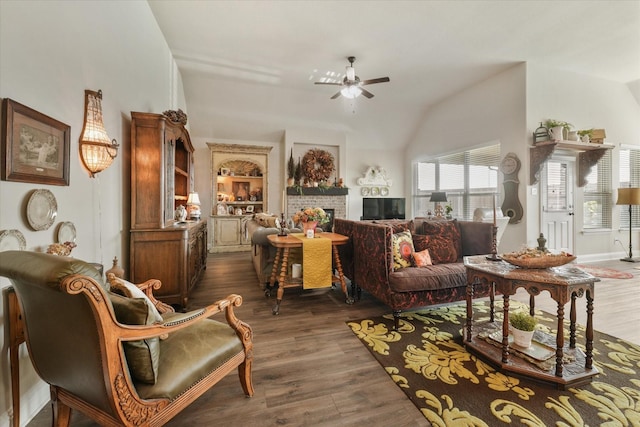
383,208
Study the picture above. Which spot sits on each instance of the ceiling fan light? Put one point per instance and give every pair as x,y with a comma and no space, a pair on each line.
351,73
351,92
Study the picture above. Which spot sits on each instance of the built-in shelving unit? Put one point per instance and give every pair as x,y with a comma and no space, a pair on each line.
238,190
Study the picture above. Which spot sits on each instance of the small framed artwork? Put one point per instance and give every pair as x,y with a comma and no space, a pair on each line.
225,171
35,147
249,209
240,190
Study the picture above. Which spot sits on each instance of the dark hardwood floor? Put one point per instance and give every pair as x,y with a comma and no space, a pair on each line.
310,370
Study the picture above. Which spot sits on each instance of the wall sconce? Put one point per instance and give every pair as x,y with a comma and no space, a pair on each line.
97,151
193,206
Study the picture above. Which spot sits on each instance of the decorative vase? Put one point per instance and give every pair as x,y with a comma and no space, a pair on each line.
522,338
557,133
585,138
309,228
116,269
290,182
181,213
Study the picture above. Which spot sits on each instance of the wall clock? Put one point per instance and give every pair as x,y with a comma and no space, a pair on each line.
511,206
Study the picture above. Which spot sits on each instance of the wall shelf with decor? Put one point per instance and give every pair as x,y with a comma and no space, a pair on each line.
238,190
588,156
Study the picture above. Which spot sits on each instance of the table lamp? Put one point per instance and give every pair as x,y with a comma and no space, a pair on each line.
629,196
193,206
437,197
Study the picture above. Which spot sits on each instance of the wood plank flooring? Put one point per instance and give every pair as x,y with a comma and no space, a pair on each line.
309,369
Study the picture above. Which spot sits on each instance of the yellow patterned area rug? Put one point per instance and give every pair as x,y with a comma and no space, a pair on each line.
316,261
426,358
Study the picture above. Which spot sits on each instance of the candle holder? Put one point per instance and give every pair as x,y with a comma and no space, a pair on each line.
282,231
494,245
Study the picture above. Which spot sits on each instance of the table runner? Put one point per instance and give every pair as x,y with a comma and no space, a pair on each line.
316,261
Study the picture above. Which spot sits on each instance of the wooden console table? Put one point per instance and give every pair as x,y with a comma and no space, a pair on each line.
564,284
283,246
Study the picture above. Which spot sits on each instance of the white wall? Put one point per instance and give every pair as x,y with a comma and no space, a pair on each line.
50,52
585,102
492,111
507,108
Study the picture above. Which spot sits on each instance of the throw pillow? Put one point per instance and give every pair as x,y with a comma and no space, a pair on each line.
446,230
442,250
422,258
402,249
130,290
142,356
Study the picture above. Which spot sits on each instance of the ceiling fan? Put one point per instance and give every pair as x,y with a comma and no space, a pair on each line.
352,85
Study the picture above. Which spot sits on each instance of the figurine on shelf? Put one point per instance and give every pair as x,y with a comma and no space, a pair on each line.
181,213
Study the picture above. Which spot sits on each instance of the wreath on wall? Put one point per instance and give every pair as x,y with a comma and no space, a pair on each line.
317,165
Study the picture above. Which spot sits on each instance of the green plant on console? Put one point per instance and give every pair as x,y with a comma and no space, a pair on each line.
585,132
523,321
448,209
552,123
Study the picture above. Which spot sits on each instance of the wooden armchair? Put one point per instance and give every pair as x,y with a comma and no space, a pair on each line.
80,345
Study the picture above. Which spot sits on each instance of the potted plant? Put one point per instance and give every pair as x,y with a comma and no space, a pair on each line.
522,328
291,170
585,135
448,209
557,129
297,174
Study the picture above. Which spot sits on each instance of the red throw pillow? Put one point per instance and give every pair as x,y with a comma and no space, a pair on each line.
422,258
448,230
441,250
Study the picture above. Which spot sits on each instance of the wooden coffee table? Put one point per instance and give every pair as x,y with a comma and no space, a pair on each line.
283,246
564,284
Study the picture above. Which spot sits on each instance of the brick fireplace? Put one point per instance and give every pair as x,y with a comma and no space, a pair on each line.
314,197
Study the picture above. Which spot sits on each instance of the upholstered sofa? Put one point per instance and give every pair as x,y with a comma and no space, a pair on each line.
368,260
262,252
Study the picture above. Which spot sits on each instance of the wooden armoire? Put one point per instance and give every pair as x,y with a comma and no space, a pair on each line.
161,178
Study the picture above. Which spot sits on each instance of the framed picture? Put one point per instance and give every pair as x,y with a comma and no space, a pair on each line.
240,190
35,147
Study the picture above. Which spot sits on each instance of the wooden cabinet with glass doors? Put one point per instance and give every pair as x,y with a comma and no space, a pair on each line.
162,175
238,190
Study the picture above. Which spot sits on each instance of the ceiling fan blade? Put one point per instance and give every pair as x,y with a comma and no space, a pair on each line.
378,80
336,95
328,83
367,93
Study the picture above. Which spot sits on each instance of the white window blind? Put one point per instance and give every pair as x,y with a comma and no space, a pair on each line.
629,177
597,195
470,179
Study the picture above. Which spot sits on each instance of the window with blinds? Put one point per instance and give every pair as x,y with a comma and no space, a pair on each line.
469,178
629,177
597,195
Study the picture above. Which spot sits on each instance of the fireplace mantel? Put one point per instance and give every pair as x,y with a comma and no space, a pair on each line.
317,191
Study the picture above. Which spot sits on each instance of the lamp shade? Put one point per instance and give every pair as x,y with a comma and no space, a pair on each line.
97,151
628,196
193,199
438,196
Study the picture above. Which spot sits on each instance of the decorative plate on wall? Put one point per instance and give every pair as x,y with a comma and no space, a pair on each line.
42,209
66,232
364,191
12,240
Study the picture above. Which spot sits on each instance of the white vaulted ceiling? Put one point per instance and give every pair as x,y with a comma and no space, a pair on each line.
248,67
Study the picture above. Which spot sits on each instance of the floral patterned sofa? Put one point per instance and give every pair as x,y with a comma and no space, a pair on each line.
368,260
